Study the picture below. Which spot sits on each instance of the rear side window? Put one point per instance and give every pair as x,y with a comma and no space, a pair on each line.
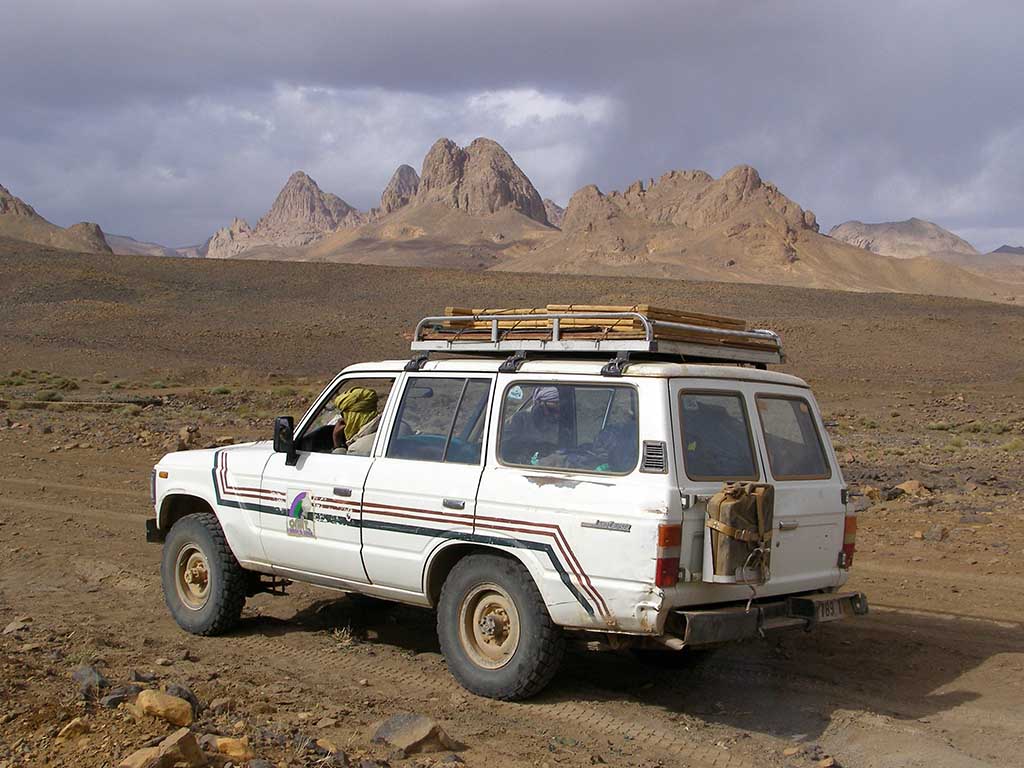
582,427
794,446
441,419
717,444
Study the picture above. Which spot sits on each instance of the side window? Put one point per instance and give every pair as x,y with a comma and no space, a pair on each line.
347,421
794,446
717,444
584,427
440,419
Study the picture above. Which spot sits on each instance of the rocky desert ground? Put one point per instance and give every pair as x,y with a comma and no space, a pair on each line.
107,362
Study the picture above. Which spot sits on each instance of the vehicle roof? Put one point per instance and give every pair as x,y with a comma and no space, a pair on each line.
589,368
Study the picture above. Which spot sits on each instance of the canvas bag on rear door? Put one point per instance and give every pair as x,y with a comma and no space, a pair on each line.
739,527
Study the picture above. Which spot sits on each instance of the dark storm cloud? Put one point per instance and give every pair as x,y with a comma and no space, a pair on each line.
163,120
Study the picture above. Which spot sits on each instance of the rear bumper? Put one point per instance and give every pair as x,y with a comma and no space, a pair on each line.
713,626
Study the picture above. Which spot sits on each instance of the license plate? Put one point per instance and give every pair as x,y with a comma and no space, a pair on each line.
829,610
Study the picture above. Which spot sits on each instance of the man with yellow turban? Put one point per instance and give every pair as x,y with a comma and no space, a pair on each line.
357,413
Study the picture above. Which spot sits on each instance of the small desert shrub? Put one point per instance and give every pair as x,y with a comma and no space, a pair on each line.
1014,446
131,410
220,391
49,395
284,391
938,426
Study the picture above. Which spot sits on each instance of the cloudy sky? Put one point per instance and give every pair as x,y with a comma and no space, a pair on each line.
163,120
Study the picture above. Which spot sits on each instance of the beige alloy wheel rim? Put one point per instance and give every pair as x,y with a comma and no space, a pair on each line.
192,577
489,626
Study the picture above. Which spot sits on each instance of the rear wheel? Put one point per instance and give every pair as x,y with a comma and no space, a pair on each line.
204,586
495,631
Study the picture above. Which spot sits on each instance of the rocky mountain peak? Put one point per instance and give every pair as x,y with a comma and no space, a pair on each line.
14,206
400,190
302,208
479,179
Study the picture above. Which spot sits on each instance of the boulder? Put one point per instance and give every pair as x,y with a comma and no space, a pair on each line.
76,727
913,488
183,692
174,710
413,733
179,750
237,749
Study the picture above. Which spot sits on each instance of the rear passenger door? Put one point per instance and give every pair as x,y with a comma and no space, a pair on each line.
423,489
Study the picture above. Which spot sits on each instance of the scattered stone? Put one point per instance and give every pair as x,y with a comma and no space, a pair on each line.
453,759
236,749
221,705
90,681
183,692
120,695
827,762
936,532
141,677
791,751
325,722
413,733
259,763
141,758
174,710
893,493
914,488
162,662
16,626
179,750
76,727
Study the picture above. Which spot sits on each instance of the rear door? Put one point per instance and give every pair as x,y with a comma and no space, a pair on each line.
748,431
423,489
809,512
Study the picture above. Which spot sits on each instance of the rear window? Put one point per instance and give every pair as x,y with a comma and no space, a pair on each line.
794,446
717,444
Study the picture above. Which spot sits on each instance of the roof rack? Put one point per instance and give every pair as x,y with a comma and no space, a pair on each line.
619,334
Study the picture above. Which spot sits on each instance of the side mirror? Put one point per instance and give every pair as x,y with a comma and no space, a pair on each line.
284,439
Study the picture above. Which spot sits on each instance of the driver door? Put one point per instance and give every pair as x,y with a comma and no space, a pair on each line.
316,528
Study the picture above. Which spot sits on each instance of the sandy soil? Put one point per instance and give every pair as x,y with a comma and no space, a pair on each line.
919,388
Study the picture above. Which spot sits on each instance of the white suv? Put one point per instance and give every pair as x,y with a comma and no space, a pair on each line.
521,498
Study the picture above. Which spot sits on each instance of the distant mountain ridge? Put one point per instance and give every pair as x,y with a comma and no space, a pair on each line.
903,239
1016,250
19,221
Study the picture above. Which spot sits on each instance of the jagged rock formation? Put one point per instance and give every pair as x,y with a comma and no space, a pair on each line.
555,212
903,239
301,214
479,179
19,221
401,190
688,206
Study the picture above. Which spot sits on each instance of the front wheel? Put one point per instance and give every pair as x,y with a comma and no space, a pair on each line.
495,631
204,586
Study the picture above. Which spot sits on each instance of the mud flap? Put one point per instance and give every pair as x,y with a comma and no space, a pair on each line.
153,534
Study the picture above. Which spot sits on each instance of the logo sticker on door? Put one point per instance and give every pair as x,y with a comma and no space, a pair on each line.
300,520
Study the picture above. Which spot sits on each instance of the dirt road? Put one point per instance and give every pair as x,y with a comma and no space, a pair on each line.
934,676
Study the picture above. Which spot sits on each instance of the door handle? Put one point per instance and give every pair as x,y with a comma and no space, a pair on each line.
454,503
343,492
788,525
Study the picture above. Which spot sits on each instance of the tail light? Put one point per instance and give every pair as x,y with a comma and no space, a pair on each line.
666,573
849,541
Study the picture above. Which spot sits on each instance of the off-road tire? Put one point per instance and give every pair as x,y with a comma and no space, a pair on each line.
541,643
227,579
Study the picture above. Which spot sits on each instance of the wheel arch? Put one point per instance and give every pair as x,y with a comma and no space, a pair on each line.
446,556
178,504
